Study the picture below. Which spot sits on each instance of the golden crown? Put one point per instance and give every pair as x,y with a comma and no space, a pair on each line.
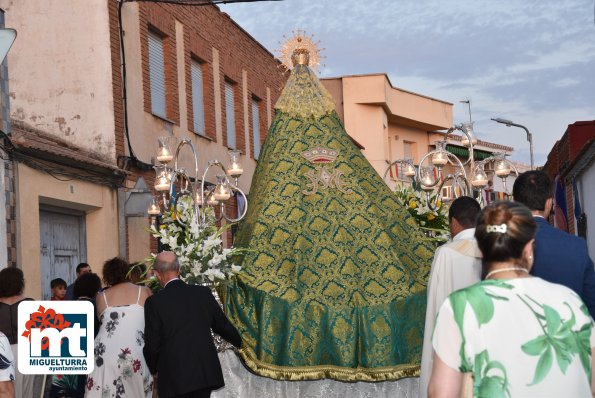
320,154
300,49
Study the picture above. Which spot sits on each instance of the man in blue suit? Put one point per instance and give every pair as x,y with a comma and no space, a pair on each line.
559,257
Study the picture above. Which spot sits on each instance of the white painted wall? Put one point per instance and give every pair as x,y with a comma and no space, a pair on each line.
60,72
586,187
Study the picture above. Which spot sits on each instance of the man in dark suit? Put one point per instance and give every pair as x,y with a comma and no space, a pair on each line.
81,269
559,257
179,347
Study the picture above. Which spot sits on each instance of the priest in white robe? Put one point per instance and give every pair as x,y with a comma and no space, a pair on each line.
456,265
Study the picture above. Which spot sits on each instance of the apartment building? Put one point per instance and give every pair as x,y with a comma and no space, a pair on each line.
85,114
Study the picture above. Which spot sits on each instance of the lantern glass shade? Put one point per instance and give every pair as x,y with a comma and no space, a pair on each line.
154,209
165,150
211,201
440,156
222,191
163,179
480,179
468,128
427,179
439,159
409,170
502,169
235,168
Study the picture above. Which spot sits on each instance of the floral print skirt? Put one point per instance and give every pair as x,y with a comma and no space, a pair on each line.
120,367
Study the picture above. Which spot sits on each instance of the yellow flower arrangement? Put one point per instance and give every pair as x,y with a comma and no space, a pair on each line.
433,221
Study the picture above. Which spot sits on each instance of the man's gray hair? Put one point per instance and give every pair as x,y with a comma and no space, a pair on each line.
166,261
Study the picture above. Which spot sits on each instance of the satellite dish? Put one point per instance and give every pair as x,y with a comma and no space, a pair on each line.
7,37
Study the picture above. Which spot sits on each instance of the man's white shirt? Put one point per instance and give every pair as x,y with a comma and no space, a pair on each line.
456,265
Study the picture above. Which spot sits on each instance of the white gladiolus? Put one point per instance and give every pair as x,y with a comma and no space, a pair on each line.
210,243
200,252
172,242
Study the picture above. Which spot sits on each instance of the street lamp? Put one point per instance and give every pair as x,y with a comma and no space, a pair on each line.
509,123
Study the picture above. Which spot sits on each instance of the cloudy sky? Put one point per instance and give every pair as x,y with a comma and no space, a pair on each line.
529,61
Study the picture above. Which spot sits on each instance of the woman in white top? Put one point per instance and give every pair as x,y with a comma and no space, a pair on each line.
518,335
120,367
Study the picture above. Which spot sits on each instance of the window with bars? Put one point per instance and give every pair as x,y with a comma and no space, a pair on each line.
157,74
256,126
230,116
198,109
408,150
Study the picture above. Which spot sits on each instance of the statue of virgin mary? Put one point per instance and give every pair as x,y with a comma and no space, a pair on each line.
334,282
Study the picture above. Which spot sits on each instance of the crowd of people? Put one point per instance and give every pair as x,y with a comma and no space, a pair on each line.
510,306
510,303
139,337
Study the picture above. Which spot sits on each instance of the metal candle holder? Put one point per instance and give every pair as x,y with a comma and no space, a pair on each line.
166,179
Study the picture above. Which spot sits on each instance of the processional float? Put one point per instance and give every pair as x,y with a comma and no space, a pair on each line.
333,284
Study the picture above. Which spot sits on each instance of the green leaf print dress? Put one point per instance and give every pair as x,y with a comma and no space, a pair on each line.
520,337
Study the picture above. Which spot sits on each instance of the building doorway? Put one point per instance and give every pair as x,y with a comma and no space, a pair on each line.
63,246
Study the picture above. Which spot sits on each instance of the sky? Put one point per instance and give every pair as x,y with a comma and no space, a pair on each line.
529,61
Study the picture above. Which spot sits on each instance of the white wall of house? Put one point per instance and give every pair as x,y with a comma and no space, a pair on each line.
586,182
60,70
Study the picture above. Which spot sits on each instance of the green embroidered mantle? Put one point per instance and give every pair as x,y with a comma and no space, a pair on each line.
334,283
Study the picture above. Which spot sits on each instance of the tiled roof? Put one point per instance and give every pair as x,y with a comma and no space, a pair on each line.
49,147
486,144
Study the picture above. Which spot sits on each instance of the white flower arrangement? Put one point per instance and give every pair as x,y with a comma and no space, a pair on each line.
197,244
434,222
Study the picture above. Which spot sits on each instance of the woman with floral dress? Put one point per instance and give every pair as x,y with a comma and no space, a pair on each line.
518,335
120,369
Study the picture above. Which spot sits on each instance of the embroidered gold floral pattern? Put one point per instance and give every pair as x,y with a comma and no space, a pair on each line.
332,285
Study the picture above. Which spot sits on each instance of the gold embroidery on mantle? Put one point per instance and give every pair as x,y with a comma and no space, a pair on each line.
322,177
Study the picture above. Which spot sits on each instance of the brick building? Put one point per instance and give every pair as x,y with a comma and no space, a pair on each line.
572,161
82,143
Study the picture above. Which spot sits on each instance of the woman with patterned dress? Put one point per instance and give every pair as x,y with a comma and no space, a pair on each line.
518,335
120,368
12,285
7,365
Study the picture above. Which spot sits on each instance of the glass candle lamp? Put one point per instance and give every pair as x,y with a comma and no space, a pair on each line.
164,153
409,170
468,128
235,167
502,169
221,192
154,209
163,180
211,201
439,159
480,179
427,180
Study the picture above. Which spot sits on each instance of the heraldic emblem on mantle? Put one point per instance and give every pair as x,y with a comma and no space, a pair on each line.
322,177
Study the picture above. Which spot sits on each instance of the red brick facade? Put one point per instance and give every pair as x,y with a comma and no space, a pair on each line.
237,50
563,156
205,29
